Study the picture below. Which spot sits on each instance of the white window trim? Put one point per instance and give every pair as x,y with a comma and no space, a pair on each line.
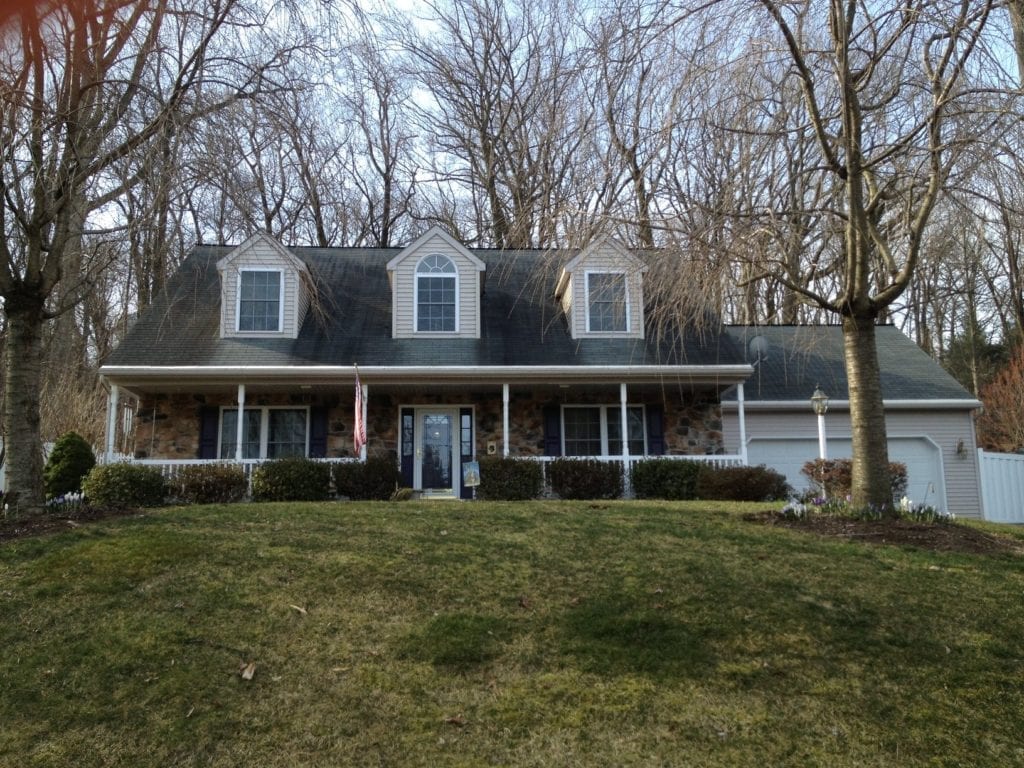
416,295
625,290
607,412
264,425
280,301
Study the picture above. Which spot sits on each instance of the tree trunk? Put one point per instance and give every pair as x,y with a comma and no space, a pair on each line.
871,485
22,382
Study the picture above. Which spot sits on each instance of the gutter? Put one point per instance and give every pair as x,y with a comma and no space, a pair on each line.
844,405
386,373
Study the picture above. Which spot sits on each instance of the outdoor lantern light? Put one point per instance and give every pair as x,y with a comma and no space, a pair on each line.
819,402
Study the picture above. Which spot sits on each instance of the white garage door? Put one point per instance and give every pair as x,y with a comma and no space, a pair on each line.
925,484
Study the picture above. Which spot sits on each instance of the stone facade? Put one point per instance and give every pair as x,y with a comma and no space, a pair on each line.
167,425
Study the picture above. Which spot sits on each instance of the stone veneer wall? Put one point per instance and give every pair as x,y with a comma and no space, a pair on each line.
167,426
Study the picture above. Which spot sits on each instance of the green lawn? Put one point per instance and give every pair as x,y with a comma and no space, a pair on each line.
529,634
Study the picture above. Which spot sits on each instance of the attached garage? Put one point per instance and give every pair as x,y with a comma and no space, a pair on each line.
929,417
922,457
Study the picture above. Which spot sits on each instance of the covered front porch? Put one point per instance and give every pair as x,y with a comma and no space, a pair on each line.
430,424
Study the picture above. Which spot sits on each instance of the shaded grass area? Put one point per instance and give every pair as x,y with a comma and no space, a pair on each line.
528,634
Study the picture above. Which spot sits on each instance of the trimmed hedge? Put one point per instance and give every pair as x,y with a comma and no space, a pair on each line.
121,486
209,484
742,484
291,479
508,479
665,479
375,480
69,462
837,476
585,478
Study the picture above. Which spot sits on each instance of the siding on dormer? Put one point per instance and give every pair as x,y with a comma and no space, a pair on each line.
403,284
295,296
604,258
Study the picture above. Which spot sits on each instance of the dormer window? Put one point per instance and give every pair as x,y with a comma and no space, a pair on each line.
436,291
607,310
259,300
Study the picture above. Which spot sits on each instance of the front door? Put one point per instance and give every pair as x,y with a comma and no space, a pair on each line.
437,465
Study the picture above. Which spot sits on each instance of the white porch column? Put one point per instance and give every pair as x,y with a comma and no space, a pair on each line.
112,406
504,419
240,429
366,398
741,412
625,422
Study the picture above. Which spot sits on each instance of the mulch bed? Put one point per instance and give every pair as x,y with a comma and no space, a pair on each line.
939,537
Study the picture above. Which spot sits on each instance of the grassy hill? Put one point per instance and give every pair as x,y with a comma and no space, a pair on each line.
528,634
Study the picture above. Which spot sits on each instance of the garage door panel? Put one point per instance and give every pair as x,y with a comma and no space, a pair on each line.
920,455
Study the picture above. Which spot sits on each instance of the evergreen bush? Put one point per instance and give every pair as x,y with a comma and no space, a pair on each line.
585,478
69,462
374,480
291,479
209,484
665,479
124,485
742,484
507,479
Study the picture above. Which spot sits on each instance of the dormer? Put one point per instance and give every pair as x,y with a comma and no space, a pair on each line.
264,290
601,292
435,289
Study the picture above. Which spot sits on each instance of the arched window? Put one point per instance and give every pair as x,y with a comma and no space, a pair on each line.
436,291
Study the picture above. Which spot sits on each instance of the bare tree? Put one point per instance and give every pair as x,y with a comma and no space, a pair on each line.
85,86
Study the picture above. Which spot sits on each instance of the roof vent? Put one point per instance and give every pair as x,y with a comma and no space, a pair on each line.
758,349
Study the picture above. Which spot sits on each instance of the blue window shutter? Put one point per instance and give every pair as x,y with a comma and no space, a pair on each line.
466,448
317,432
655,430
209,426
407,445
552,430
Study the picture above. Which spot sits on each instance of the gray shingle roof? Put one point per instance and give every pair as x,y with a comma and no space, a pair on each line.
800,357
522,324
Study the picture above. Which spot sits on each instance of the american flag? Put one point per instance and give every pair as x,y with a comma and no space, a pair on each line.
359,433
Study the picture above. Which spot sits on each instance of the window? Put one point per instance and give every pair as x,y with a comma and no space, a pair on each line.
267,433
597,430
436,289
259,300
606,302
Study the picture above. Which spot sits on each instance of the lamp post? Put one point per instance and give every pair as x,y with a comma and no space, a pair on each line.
819,402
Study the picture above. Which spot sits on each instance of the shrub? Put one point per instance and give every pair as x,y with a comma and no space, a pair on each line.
836,475
209,484
507,479
124,485
69,461
742,484
291,479
376,479
665,479
585,478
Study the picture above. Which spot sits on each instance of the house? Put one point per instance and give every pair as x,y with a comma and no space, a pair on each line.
929,416
253,354
255,350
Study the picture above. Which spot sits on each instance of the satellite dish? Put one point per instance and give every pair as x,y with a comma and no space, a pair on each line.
758,348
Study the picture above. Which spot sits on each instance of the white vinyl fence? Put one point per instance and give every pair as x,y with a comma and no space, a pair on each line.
1002,486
